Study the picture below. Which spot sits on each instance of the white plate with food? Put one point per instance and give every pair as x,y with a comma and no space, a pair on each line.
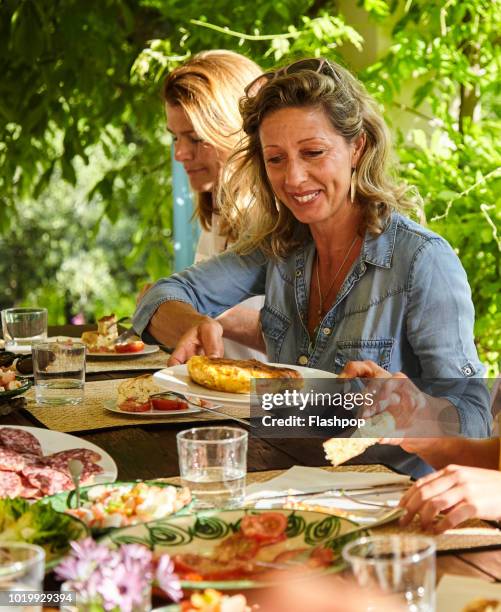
147,350
178,379
166,413
39,458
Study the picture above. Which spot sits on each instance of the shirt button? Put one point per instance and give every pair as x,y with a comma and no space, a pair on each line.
326,331
303,360
298,272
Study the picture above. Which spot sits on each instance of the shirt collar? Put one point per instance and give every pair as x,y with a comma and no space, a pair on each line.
378,250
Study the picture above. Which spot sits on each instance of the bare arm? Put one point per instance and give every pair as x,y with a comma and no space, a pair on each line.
440,452
242,325
179,324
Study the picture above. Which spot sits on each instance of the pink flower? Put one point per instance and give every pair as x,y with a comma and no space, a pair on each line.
167,580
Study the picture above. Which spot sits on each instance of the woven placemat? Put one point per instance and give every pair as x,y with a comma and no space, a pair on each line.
472,534
91,413
154,361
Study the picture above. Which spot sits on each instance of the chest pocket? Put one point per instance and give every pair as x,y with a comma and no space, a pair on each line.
378,351
274,325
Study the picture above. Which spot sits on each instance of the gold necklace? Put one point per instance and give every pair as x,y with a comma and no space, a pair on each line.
321,299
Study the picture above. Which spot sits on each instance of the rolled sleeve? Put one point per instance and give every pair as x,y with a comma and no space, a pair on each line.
211,287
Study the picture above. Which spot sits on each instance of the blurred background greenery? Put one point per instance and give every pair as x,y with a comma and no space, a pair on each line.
85,184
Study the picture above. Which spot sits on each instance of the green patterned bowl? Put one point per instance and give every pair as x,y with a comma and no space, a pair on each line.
199,533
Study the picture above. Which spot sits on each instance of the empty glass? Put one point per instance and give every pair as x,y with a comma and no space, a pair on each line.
21,569
401,566
59,371
213,464
23,326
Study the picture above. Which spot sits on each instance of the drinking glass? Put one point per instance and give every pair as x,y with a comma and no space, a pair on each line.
401,566
213,464
59,371
23,326
21,569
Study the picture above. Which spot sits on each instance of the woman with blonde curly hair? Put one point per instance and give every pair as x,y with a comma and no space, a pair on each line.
201,103
346,275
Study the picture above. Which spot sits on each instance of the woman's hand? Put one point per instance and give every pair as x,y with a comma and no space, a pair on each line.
458,491
205,338
415,413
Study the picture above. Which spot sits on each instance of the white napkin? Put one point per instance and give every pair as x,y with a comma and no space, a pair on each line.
299,479
455,592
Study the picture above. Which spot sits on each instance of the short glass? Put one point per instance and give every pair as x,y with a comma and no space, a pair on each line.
23,326
59,371
21,570
400,566
213,464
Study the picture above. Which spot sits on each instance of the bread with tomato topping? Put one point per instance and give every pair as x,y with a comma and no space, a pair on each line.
134,393
235,375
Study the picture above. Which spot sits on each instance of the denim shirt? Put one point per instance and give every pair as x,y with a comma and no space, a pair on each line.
405,304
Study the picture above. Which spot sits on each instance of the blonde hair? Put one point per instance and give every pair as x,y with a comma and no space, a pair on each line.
208,88
352,112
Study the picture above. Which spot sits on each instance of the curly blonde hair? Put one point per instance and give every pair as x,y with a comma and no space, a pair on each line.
352,111
208,88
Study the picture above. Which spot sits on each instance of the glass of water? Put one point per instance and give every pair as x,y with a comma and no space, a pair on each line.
23,326
401,566
59,371
213,464
21,570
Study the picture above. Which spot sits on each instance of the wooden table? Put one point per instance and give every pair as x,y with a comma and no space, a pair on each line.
150,451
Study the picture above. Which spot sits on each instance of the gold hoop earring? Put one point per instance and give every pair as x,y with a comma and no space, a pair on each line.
353,185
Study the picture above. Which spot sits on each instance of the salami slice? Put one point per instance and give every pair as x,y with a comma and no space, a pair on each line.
85,455
10,461
90,470
10,484
28,491
20,441
48,480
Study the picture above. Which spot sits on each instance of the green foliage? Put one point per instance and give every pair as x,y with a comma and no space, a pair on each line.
80,88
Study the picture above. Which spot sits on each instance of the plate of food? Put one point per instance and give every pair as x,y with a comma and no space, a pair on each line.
102,343
245,549
229,380
21,521
34,462
142,395
12,385
130,350
121,504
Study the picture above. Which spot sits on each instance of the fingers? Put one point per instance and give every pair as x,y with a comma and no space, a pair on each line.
363,369
462,512
430,495
211,339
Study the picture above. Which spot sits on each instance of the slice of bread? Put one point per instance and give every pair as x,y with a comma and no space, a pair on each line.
107,326
134,393
339,450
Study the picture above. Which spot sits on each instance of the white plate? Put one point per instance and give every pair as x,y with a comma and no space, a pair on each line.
111,405
148,350
55,441
177,378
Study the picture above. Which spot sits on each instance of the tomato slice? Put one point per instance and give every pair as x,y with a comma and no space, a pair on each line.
132,406
268,527
168,402
189,566
130,347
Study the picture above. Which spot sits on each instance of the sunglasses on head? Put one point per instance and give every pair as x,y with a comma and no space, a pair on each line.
315,64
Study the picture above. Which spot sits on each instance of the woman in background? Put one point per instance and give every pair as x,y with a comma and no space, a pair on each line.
201,103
